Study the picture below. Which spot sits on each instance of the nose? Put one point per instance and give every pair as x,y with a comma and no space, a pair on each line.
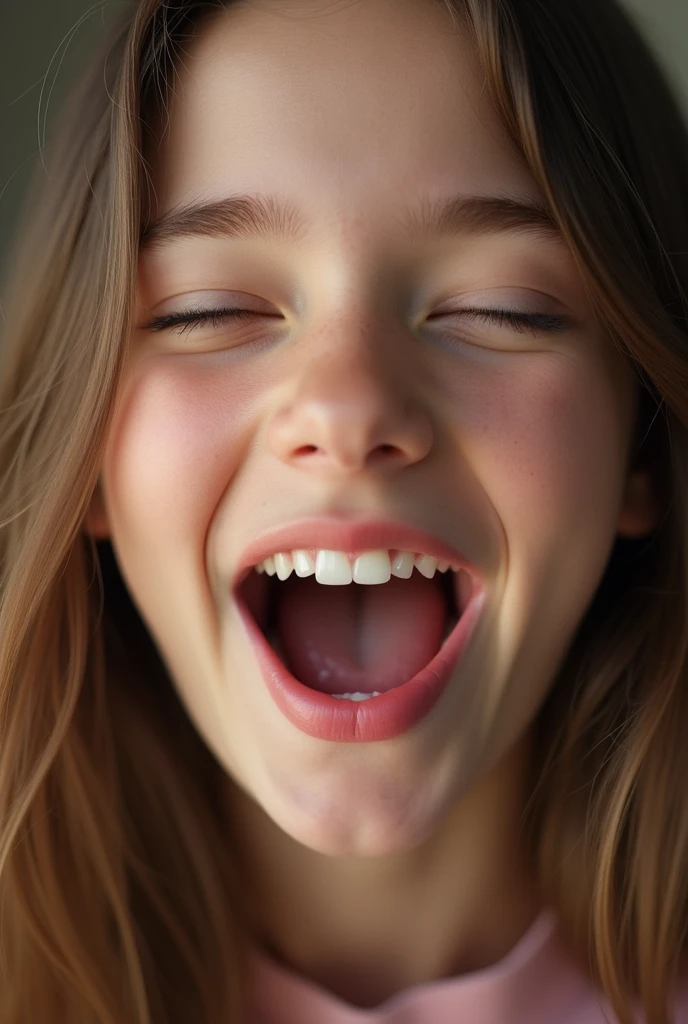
352,408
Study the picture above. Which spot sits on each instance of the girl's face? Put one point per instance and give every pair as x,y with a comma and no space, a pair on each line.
349,395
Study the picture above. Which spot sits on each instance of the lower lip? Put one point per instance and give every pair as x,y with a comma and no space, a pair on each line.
378,718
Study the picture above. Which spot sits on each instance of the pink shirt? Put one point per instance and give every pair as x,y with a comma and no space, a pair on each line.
536,983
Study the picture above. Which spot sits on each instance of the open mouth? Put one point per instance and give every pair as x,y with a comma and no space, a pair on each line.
356,641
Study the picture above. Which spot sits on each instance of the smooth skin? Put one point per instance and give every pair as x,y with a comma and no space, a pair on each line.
381,865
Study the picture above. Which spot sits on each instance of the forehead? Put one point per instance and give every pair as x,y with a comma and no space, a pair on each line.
351,109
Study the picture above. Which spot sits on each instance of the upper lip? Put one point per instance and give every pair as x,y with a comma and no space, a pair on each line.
339,535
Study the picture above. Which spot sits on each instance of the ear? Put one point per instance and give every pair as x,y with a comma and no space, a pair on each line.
96,520
641,512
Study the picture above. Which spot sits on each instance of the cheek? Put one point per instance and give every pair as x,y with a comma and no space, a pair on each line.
547,439
553,447
172,453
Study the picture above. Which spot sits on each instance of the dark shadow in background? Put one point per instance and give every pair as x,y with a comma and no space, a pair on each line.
44,45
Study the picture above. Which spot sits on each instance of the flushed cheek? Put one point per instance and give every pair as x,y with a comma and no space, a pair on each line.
548,441
554,442
171,455
169,461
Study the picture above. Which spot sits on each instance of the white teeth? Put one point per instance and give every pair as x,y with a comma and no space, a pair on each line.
283,565
356,696
372,567
304,563
427,565
334,568
402,564
269,564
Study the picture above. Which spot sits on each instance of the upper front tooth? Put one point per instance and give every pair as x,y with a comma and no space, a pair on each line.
333,567
372,567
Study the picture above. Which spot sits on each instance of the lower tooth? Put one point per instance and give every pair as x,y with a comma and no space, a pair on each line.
356,696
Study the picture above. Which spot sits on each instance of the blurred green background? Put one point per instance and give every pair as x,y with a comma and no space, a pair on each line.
43,44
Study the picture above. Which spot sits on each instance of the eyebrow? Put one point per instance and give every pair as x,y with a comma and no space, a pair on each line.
273,217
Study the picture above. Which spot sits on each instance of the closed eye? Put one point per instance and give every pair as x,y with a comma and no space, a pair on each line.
519,320
191,318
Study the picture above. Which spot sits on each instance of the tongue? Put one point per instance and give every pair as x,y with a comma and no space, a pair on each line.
360,638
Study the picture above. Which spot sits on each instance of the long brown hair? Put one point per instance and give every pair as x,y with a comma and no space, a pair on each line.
121,900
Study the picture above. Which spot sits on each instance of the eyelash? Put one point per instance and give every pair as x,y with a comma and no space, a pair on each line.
188,320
